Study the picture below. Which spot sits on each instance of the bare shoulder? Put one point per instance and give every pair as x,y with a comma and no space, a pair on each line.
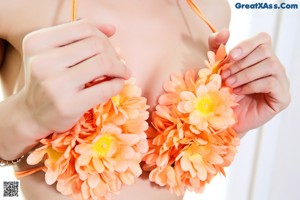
216,11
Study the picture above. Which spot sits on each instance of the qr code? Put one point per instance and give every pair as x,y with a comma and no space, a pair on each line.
10,188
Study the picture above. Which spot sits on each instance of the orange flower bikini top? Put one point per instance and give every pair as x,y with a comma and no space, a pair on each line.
110,145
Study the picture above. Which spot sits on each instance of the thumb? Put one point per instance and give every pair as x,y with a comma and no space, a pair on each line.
218,38
108,29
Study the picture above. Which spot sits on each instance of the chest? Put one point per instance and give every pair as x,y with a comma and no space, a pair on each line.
155,38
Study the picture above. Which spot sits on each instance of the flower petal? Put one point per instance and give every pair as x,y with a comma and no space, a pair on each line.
127,178
98,165
83,160
168,99
129,139
35,157
93,180
195,118
187,96
185,163
85,190
201,91
51,176
218,123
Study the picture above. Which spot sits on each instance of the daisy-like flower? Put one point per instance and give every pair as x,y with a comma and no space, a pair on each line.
57,155
111,150
193,139
209,107
101,152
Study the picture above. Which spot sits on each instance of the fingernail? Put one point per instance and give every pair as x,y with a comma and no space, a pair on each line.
225,74
215,34
236,53
230,81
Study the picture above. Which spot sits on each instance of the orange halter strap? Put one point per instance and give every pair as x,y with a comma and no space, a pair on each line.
191,3
74,10
197,10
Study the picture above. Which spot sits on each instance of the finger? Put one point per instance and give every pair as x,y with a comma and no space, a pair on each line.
261,53
101,65
108,29
58,36
250,74
94,95
246,47
218,38
56,60
266,85
271,87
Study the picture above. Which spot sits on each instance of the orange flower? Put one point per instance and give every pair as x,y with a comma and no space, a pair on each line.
101,152
111,150
169,177
57,149
193,140
128,110
209,107
218,61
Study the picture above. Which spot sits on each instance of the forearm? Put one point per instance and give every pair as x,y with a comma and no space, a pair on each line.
18,131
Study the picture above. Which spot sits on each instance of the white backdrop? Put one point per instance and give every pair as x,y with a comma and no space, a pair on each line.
267,166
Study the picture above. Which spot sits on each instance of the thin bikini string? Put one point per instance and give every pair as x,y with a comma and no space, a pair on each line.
197,10
74,10
191,3
220,51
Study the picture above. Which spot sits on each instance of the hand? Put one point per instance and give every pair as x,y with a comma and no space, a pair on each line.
59,62
259,79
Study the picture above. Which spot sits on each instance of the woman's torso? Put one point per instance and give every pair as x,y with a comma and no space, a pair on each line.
156,38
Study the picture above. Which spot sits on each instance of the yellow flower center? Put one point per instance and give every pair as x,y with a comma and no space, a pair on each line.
103,145
116,100
206,104
53,155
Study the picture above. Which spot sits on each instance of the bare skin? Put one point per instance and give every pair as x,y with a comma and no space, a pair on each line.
43,69
156,38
